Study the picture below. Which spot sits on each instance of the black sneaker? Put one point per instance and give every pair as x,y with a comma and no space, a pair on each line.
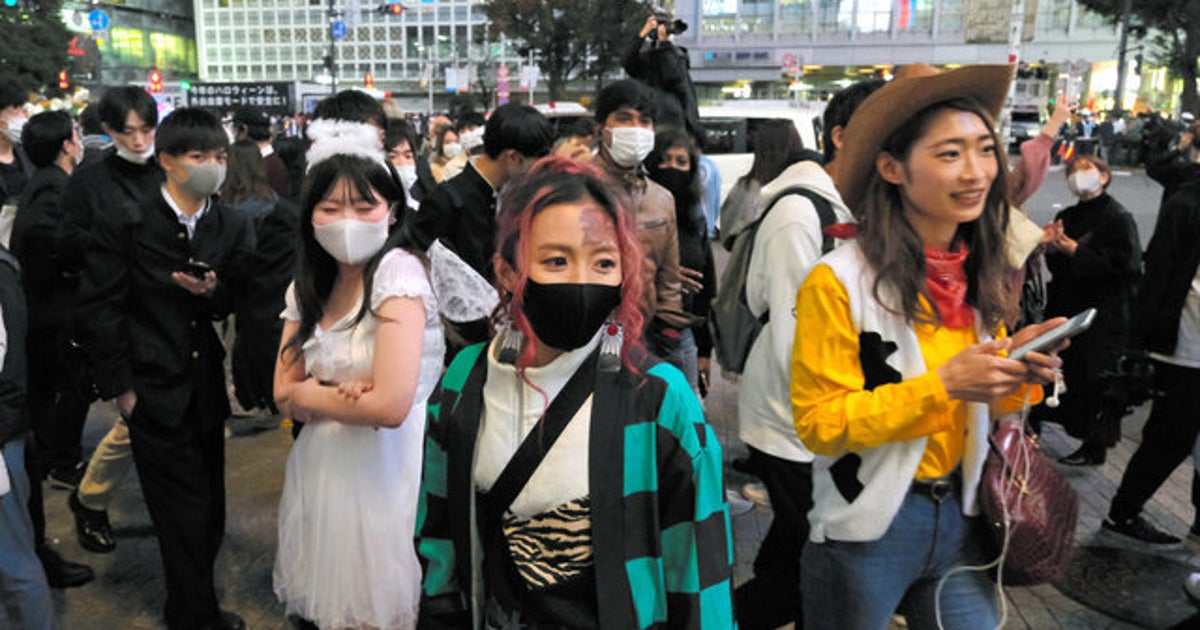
67,477
1138,529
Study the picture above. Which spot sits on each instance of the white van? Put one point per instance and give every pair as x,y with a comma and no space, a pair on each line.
731,133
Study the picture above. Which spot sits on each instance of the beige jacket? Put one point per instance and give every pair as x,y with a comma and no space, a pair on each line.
654,210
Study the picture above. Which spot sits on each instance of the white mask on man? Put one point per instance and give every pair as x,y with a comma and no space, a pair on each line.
630,145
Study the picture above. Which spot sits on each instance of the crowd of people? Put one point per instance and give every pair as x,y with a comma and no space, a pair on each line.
493,345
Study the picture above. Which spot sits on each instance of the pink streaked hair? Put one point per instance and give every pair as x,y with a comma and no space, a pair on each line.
556,180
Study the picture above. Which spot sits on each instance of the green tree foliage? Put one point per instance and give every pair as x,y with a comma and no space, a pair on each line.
1178,45
33,47
573,38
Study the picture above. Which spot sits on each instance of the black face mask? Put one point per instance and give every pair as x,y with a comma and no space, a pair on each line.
567,316
672,179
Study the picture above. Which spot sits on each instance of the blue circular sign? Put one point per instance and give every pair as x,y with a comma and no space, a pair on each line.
339,29
98,20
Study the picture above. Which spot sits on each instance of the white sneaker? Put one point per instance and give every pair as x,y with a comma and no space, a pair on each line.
757,493
1191,584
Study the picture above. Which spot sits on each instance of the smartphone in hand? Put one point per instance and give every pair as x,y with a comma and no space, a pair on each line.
195,268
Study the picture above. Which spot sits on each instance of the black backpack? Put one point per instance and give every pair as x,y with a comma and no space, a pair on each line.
734,326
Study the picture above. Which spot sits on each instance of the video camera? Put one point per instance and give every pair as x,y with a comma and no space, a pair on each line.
674,26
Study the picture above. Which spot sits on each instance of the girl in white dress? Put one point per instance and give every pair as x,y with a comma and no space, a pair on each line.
362,350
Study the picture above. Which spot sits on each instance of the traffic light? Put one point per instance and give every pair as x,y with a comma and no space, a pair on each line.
64,82
389,8
185,85
10,4
156,81
369,80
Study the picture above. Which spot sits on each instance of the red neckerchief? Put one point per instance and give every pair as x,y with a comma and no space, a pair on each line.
946,281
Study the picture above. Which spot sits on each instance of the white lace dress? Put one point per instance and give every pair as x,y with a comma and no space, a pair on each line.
346,517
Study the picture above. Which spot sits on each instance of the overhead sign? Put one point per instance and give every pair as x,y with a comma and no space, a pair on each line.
98,20
269,98
339,29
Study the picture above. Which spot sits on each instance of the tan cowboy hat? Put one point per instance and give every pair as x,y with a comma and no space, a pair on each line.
915,87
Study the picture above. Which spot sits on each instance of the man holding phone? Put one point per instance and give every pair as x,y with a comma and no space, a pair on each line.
156,276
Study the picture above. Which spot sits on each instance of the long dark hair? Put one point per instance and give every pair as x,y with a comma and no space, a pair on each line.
687,211
895,251
316,270
776,139
245,174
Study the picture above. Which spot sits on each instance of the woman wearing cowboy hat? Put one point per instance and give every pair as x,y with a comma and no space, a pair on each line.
898,365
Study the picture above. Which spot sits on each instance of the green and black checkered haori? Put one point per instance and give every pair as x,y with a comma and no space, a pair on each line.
660,526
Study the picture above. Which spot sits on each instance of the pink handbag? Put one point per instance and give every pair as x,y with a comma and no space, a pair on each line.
1041,507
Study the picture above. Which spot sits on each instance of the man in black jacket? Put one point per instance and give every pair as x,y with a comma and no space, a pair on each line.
125,176
657,61
155,277
1170,331
461,213
1176,165
56,402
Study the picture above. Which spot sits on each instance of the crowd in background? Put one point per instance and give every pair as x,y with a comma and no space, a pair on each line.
493,340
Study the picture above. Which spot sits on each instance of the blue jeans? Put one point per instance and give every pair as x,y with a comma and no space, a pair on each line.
859,585
683,356
22,579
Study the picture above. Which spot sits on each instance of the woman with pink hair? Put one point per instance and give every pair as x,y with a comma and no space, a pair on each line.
570,478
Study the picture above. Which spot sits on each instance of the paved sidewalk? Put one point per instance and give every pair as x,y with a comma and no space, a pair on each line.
128,591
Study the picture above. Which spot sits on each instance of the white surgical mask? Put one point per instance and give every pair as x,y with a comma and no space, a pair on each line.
352,241
452,150
15,125
472,138
408,175
630,145
1084,182
136,158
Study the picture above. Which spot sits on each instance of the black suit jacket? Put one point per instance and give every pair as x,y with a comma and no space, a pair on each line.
461,212
141,330
37,243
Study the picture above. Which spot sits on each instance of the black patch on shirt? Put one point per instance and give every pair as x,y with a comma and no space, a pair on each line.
845,476
873,352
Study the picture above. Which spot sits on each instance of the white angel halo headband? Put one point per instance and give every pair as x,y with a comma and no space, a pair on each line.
343,137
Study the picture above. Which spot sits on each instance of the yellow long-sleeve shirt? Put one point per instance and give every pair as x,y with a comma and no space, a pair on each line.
835,414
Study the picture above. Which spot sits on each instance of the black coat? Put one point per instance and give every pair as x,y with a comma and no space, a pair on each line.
462,213
37,242
666,68
259,327
1171,262
1105,269
1171,170
142,331
14,417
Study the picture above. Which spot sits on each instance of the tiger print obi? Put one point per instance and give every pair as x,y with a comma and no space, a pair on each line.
552,547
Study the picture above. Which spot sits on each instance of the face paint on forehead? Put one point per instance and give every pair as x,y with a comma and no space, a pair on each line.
597,226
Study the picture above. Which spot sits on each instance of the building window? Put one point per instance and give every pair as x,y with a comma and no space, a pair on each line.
833,16
1053,15
795,16
758,16
950,20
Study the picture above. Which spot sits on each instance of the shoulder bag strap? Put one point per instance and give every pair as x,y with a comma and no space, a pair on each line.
534,447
